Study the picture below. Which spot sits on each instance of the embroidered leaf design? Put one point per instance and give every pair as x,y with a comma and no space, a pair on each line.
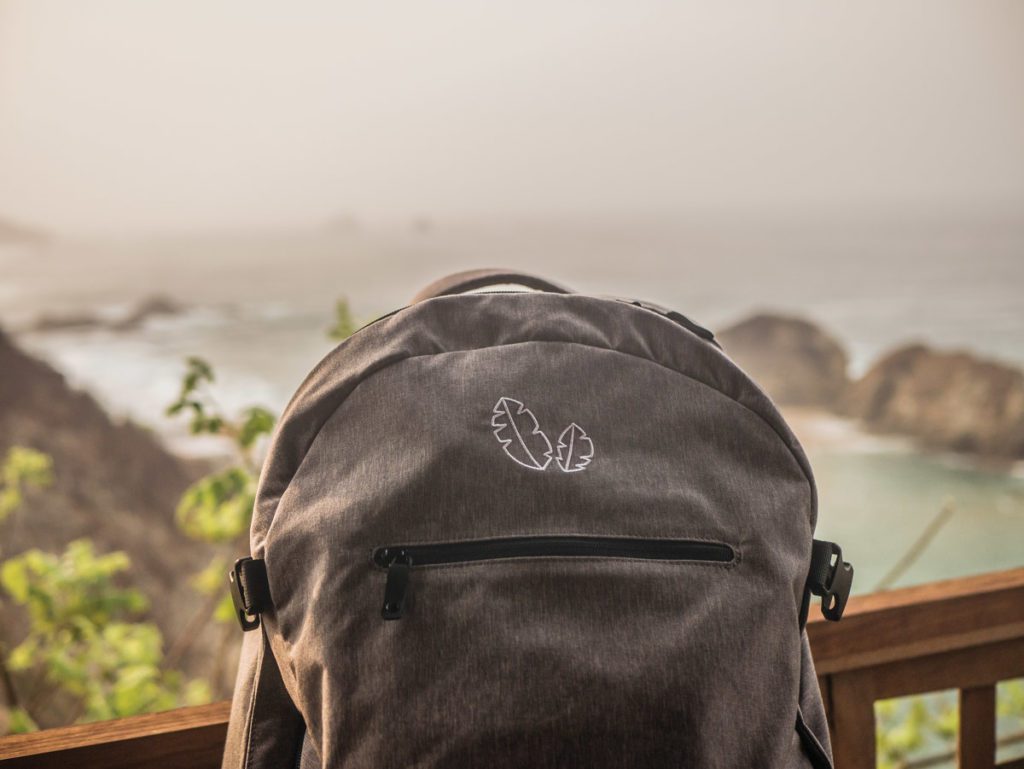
575,449
519,433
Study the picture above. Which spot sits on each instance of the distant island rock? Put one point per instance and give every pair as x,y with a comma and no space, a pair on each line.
150,307
947,400
794,360
13,232
952,401
72,321
153,306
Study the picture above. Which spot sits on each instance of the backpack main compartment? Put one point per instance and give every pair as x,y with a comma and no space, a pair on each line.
593,532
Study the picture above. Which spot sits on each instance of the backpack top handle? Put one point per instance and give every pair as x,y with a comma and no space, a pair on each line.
472,280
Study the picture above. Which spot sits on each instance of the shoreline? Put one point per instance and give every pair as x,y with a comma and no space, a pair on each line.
819,429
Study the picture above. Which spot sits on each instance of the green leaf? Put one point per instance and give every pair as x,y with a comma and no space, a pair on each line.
83,639
257,421
197,372
212,579
344,324
225,611
21,656
197,692
14,578
218,508
20,722
22,469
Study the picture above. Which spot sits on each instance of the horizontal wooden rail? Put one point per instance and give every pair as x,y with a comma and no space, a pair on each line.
189,738
964,634
921,620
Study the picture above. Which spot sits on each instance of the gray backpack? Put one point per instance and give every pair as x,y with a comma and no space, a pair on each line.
534,529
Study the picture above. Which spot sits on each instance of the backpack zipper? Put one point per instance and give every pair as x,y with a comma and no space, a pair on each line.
400,559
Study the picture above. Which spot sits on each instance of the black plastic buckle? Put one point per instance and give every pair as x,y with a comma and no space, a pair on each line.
247,618
836,588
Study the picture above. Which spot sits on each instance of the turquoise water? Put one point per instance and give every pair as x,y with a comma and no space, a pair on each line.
877,503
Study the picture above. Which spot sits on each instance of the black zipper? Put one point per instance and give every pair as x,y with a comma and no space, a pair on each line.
400,559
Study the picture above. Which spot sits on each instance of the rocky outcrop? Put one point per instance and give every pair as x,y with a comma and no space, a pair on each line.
946,400
113,483
150,307
13,232
796,362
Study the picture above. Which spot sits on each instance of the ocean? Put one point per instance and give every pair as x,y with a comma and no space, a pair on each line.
257,306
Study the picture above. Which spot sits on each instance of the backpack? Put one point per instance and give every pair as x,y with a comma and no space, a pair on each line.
531,528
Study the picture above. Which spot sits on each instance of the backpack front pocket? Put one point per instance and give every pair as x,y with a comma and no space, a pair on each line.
401,560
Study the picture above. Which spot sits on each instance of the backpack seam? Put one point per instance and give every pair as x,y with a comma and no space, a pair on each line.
816,752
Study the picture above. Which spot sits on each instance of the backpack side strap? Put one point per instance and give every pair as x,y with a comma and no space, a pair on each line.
250,591
265,730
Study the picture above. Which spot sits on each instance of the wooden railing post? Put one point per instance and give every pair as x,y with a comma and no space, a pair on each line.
976,746
853,721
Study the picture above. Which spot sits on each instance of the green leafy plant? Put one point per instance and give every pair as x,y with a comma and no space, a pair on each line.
344,324
921,731
907,726
22,469
217,508
90,655
87,654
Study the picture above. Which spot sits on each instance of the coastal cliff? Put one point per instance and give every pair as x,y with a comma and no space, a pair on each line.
795,361
113,483
946,400
951,401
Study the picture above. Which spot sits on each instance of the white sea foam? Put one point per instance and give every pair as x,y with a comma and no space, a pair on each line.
819,430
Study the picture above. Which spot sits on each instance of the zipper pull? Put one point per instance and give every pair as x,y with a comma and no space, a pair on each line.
397,585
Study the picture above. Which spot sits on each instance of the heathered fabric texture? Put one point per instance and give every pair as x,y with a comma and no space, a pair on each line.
544,661
265,726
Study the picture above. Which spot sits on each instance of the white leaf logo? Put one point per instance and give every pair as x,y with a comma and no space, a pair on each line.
575,449
519,434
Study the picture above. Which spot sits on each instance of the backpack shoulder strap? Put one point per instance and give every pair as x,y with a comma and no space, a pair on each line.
471,280
265,730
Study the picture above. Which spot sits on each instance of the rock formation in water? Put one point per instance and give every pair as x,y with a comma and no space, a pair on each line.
795,361
946,400
151,307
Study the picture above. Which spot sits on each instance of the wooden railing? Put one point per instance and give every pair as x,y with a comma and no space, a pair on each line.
964,634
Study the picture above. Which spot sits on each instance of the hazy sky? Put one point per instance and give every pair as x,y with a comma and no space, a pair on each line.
196,113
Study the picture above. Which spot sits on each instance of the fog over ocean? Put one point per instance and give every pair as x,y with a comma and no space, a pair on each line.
258,306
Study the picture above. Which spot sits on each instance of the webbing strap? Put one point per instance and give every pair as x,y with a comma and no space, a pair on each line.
250,591
830,578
